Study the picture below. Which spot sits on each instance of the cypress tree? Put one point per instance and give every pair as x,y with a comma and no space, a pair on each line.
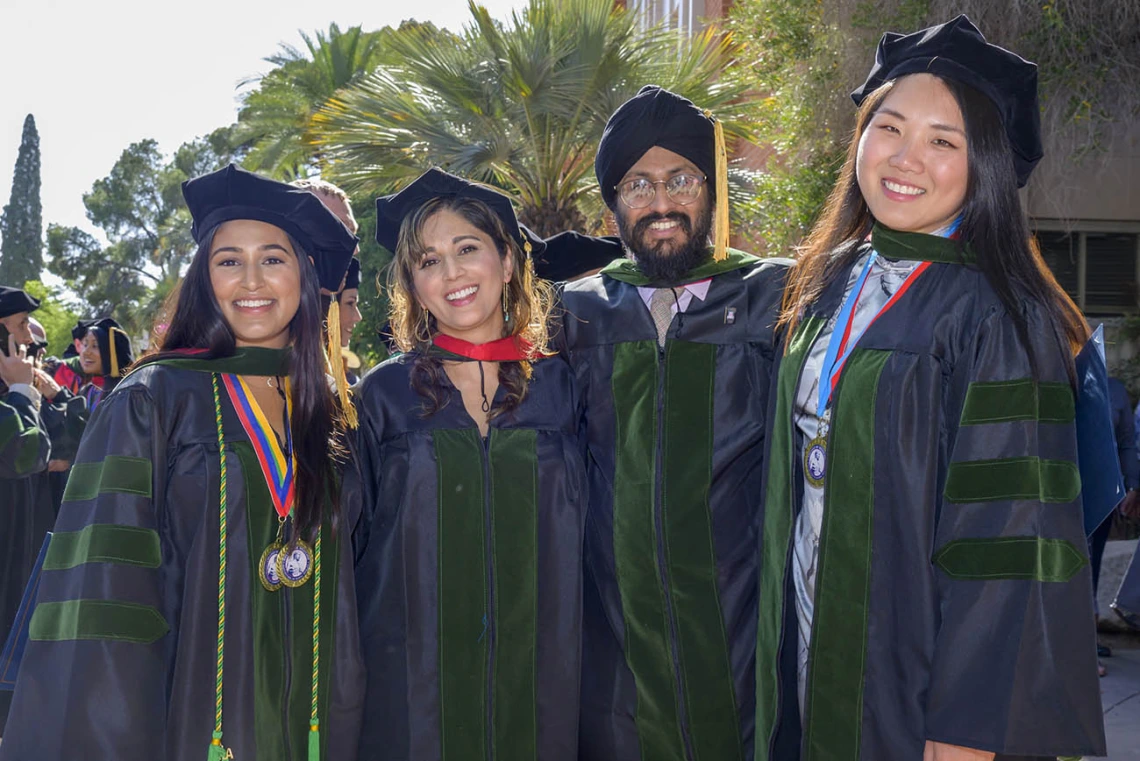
21,224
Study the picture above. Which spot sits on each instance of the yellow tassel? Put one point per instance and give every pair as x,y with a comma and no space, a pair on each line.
336,365
114,354
720,237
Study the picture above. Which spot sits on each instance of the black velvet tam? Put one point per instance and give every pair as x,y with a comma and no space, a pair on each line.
13,301
957,50
569,255
653,117
436,183
82,327
352,279
107,331
233,193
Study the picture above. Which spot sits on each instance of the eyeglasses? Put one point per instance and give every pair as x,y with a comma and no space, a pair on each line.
682,189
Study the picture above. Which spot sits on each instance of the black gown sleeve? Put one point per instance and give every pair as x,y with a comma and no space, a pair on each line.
93,683
25,446
1014,667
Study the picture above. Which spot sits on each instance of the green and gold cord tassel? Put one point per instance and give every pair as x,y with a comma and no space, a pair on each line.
217,751
314,723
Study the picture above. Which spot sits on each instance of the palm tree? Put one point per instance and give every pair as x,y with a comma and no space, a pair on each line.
520,105
274,121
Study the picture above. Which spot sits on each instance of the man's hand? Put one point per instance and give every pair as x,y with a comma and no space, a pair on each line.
16,367
1130,505
46,385
943,752
58,466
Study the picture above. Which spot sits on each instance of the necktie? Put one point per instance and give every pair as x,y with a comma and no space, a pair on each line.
661,309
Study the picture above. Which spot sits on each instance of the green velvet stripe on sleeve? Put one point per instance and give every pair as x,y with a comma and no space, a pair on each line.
104,543
29,452
96,620
838,654
514,520
648,650
463,617
1033,558
1023,399
1013,478
710,699
10,425
115,473
778,516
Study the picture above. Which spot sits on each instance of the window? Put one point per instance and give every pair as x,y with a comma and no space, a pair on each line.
679,15
1098,268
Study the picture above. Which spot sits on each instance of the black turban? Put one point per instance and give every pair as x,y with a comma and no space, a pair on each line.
957,50
653,117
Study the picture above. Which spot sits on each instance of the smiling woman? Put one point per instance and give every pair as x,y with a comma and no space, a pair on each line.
922,487
203,518
473,486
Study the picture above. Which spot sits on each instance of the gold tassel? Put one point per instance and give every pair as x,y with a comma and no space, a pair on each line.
114,354
336,364
720,237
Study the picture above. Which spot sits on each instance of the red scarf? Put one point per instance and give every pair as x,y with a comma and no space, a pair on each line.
509,349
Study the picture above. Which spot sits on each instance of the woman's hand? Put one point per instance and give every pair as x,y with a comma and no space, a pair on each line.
943,752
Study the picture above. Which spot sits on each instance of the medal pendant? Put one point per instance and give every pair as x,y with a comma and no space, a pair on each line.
815,455
267,567
295,564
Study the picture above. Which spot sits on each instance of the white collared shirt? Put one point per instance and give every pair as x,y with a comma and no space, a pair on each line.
685,294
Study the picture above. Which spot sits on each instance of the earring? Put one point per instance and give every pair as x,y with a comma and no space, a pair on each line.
423,327
506,304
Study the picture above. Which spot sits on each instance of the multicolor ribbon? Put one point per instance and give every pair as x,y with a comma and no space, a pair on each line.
277,466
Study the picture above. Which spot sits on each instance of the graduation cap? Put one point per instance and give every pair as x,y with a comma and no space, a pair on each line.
569,255
657,117
957,50
82,327
436,183
352,278
114,346
13,301
233,193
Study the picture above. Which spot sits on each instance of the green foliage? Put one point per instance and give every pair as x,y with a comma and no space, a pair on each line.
519,104
366,339
56,314
139,208
274,121
21,223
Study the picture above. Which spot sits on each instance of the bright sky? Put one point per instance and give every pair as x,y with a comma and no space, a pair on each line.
99,75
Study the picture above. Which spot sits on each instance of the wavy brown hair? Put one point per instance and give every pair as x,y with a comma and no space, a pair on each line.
530,301
993,226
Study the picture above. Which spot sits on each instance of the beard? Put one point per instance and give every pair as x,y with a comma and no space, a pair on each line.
667,261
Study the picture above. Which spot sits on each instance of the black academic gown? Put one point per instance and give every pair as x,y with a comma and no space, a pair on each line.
470,582
27,513
953,601
676,437
123,644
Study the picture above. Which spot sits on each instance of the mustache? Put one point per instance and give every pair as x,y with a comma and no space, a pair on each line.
643,224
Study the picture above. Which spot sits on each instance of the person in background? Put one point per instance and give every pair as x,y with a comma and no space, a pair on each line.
25,449
1124,427
349,300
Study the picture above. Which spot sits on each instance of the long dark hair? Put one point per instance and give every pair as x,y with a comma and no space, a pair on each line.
529,301
315,425
993,225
